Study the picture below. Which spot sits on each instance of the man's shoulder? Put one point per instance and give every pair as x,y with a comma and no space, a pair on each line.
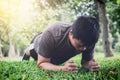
58,28
59,24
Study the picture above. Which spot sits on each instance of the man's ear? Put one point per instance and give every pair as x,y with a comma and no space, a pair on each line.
71,32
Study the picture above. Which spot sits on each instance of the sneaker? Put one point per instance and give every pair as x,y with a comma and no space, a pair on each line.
25,57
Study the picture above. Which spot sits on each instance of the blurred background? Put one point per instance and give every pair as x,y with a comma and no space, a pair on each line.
20,20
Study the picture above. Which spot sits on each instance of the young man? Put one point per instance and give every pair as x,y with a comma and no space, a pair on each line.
61,41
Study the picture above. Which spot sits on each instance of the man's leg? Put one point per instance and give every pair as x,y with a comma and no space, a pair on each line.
33,54
30,52
26,55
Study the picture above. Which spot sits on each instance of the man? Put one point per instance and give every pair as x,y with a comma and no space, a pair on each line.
61,41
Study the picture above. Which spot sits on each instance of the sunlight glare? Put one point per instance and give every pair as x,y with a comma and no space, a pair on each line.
19,11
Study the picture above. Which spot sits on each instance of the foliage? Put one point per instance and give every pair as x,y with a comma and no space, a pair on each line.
4,31
99,46
22,19
117,45
27,70
76,7
114,19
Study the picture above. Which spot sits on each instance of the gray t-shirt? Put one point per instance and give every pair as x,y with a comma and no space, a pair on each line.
54,43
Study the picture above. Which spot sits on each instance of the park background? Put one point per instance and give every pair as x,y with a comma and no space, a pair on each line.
20,20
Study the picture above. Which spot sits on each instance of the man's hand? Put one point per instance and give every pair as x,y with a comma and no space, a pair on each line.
44,63
93,65
70,66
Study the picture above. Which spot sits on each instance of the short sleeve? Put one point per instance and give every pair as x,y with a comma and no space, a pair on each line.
88,54
45,44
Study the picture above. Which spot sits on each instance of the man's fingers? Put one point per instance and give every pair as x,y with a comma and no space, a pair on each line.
70,61
94,70
72,64
94,64
95,67
75,70
72,69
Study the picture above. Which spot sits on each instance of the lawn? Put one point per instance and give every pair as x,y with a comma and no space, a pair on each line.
27,70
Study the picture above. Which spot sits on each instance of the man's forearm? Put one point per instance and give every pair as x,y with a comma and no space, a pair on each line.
49,66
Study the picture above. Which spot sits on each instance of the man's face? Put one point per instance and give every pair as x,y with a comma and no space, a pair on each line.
77,44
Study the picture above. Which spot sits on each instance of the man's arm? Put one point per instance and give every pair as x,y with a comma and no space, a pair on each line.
91,65
44,63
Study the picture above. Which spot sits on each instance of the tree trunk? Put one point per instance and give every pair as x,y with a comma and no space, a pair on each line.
11,53
18,52
104,28
1,54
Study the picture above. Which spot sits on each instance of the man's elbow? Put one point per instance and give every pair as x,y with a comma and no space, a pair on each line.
42,62
39,64
42,65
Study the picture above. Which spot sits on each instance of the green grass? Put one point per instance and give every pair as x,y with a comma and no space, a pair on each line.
27,70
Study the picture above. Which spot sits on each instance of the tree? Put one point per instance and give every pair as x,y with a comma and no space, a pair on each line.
4,31
114,20
75,5
104,27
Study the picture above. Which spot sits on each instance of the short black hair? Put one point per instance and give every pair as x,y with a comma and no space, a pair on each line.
86,29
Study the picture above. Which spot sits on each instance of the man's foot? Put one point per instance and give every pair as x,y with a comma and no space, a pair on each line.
25,57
